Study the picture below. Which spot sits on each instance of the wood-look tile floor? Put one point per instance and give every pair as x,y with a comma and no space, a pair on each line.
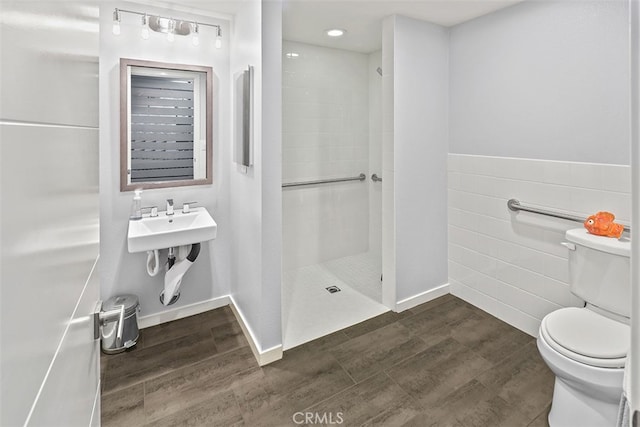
444,363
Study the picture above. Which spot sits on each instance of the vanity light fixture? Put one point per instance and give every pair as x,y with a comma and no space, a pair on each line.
144,32
335,32
116,22
170,26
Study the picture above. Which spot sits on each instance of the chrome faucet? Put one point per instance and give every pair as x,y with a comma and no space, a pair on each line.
169,206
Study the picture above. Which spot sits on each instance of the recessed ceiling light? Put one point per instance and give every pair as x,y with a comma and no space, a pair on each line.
335,32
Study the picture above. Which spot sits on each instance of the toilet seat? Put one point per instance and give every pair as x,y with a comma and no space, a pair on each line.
586,337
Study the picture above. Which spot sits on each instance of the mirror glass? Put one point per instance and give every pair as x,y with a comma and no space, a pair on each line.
165,124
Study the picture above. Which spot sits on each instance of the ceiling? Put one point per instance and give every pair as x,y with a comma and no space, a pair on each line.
306,20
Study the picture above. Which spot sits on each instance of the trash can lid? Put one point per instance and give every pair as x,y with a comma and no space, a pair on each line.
129,301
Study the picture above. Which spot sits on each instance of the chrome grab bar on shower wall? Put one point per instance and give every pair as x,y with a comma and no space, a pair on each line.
360,177
514,205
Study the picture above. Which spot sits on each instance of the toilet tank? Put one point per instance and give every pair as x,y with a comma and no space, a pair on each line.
600,270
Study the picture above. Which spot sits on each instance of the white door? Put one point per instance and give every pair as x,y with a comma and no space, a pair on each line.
49,229
635,223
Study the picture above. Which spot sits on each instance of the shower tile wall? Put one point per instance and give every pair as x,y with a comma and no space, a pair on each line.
325,135
512,265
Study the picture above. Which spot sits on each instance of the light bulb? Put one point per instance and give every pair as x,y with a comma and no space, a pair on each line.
218,38
116,22
170,36
335,32
196,39
144,32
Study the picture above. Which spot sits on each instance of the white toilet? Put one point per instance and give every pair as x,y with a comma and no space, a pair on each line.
586,348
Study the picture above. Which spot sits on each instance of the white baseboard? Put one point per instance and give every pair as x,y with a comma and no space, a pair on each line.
502,311
421,298
264,357
181,312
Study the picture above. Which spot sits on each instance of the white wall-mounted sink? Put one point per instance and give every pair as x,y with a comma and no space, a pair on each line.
165,231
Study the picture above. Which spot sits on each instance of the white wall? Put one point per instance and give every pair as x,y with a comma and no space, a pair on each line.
122,272
414,158
325,135
541,91
543,80
388,166
245,186
271,322
375,154
255,201
49,213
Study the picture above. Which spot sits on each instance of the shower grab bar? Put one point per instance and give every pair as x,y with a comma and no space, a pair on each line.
360,177
515,205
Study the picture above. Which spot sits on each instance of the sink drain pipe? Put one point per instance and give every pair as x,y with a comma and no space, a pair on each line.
153,263
173,277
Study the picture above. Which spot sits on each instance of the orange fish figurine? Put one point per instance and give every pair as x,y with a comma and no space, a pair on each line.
601,224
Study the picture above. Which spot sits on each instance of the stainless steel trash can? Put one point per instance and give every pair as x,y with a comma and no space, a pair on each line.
130,333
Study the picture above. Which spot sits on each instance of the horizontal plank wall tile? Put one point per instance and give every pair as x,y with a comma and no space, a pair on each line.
515,259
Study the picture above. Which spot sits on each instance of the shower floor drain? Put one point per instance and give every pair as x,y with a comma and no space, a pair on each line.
333,289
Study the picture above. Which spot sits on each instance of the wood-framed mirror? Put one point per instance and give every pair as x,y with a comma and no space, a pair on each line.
166,129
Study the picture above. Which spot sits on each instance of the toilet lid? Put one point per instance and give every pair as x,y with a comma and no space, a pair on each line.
588,333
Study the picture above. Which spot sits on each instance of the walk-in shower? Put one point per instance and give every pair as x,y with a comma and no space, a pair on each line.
332,208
